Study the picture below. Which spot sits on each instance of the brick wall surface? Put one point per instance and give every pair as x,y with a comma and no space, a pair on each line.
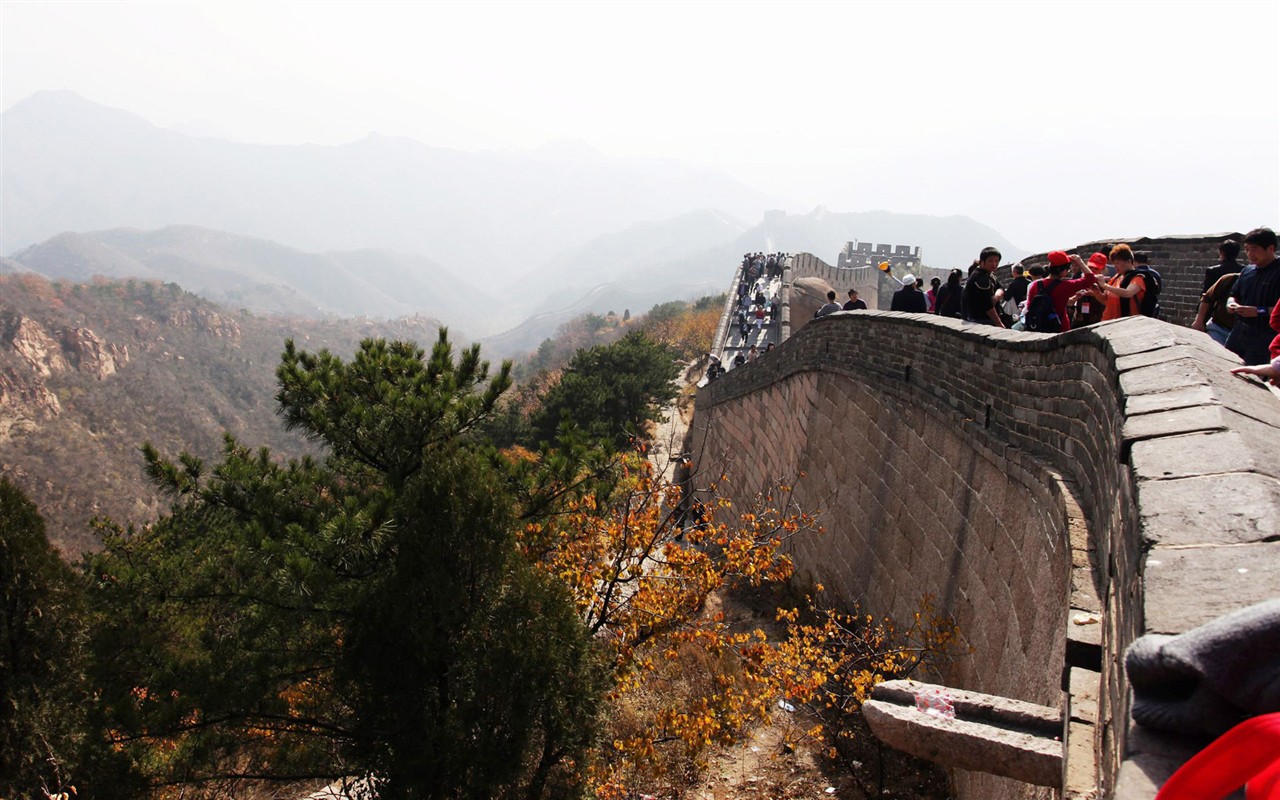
1022,479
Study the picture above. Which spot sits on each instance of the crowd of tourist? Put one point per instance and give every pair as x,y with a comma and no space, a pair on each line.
755,311
1250,314
762,265
1239,305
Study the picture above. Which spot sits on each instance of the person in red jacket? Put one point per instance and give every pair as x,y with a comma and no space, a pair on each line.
1061,289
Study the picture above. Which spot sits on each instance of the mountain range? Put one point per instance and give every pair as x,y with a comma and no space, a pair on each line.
241,272
502,246
73,165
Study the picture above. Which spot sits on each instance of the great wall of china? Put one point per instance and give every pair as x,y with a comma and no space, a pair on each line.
1059,495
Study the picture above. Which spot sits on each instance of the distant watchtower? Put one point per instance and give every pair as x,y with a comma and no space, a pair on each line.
903,258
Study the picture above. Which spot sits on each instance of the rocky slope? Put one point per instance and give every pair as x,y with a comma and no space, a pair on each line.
88,372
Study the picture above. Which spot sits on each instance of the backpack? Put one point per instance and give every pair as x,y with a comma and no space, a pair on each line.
1041,316
1150,299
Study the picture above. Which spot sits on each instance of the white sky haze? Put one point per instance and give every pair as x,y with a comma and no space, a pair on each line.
1055,123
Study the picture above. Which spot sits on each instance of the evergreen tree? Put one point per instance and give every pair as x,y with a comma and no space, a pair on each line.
366,615
48,741
610,391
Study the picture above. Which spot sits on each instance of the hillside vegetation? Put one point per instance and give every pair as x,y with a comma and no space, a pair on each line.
91,371
88,372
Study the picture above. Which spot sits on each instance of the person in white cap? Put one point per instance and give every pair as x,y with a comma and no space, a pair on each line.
908,298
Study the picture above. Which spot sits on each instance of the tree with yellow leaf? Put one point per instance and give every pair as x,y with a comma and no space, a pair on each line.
642,561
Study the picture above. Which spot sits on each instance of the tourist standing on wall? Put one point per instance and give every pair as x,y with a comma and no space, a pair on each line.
982,293
1123,293
1059,288
1086,307
932,294
830,308
907,298
853,303
951,297
1254,297
1227,264
1269,371
1015,296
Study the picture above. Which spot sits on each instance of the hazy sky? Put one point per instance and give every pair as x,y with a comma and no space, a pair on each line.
1055,123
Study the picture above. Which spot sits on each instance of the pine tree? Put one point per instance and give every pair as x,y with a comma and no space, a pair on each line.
49,742
610,391
367,615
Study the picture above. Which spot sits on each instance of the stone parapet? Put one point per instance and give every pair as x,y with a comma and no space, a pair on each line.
1058,495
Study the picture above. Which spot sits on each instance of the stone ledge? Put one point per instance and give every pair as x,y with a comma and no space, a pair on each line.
1187,397
1084,639
1210,453
1173,422
975,706
1082,695
997,735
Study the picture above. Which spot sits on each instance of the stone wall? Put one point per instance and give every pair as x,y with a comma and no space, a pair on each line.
1180,260
1028,482
874,287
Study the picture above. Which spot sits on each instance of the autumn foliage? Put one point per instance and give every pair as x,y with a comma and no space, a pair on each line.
646,565
641,565
689,333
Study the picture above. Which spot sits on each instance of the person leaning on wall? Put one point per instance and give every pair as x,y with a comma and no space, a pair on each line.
1253,297
1212,316
982,292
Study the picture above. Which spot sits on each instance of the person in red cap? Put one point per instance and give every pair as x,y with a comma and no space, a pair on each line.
1085,308
1060,288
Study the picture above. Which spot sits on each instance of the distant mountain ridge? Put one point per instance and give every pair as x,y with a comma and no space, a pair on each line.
73,165
681,258
386,227
265,277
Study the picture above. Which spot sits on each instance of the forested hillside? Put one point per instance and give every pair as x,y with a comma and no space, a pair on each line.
89,372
